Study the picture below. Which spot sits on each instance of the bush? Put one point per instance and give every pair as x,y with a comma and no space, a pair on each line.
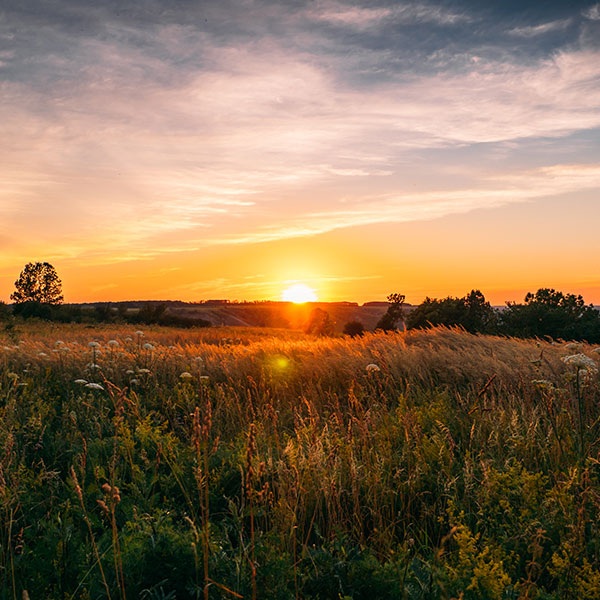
354,328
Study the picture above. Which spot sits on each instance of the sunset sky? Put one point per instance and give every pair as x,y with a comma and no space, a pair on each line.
173,149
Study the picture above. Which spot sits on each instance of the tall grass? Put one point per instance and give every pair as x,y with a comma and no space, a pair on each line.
232,463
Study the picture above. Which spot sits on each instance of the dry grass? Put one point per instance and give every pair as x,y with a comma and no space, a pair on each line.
447,466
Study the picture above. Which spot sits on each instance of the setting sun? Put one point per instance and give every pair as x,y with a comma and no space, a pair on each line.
299,293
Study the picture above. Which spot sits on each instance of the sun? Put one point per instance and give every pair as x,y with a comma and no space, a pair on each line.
298,294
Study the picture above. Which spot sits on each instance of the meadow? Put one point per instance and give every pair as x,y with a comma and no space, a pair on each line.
257,463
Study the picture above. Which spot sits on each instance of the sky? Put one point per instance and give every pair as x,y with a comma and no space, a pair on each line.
175,149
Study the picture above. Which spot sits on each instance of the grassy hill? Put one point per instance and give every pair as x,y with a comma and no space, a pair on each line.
239,462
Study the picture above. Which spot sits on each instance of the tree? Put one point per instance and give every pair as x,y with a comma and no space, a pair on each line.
549,312
38,282
395,313
319,323
472,312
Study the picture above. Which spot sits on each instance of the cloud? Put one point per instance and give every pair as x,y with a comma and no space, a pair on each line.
362,17
495,192
592,13
533,30
166,132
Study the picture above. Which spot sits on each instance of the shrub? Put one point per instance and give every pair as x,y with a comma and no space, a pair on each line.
354,328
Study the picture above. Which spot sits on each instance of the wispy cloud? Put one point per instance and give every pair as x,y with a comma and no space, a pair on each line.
159,132
592,13
533,30
497,191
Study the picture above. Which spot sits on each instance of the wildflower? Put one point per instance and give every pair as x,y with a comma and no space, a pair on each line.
94,386
144,371
42,355
186,375
113,343
59,343
372,368
204,378
581,362
94,345
139,333
573,346
596,350
147,346
128,339
543,384
7,348
92,366
80,381
129,372
13,376
135,382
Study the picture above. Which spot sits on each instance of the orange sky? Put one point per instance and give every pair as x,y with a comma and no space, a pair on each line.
358,150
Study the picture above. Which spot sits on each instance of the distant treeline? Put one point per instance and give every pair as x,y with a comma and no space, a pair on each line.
546,314
148,314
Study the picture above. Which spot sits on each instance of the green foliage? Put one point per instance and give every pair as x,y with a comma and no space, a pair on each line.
292,469
551,313
472,312
38,282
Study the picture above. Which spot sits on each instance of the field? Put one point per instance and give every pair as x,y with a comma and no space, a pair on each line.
257,463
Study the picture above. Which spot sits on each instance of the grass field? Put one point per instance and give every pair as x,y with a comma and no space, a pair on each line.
256,463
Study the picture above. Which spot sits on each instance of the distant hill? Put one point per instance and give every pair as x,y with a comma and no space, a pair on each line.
259,314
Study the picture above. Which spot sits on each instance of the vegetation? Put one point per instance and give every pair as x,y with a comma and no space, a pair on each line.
39,283
394,314
264,464
547,313
354,328
473,313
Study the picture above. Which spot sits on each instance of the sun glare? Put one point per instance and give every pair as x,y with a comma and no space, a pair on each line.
299,293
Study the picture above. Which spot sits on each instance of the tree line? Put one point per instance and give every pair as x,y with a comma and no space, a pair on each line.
547,313
38,293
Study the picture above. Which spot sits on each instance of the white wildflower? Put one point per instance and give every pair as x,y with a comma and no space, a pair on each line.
94,345
596,350
204,378
59,343
42,355
80,381
134,382
144,371
140,333
128,339
94,386
186,375
113,343
581,362
372,368
129,372
148,346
